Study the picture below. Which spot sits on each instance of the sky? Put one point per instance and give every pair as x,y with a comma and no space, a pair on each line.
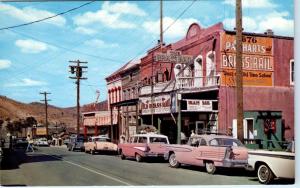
35,58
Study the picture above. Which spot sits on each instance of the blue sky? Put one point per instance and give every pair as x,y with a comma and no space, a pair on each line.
35,58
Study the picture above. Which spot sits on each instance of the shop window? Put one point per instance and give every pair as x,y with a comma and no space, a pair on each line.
160,77
292,72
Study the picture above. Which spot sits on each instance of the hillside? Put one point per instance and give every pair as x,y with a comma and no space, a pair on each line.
13,109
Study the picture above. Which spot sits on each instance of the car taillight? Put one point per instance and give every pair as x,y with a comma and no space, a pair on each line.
229,153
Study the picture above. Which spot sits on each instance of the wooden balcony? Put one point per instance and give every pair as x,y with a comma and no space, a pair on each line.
184,85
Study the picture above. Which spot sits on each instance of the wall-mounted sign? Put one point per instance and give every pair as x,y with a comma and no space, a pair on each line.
161,104
41,131
199,105
173,56
258,63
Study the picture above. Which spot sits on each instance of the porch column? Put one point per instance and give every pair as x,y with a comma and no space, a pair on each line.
111,123
85,131
179,120
96,130
137,117
158,125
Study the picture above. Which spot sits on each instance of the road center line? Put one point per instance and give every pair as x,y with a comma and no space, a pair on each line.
91,170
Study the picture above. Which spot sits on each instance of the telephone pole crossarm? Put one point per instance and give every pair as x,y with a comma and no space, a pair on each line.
77,70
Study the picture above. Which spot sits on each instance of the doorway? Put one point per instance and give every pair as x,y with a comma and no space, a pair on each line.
200,127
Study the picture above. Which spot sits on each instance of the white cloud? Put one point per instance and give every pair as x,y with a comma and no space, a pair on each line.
123,8
276,21
249,24
110,16
4,64
28,14
253,3
31,46
86,31
178,29
26,82
279,25
96,43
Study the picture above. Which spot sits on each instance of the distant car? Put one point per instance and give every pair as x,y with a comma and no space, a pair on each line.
98,144
272,164
144,145
76,143
20,143
41,142
211,151
66,141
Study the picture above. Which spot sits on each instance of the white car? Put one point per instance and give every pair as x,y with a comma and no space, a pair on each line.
272,164
42,142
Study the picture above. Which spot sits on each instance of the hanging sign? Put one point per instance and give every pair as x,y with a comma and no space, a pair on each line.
173,56
199,105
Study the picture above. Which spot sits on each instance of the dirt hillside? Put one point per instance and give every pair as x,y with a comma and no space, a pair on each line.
13,109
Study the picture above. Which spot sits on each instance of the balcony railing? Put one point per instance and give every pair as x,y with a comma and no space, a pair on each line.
197,82
182,83
157,88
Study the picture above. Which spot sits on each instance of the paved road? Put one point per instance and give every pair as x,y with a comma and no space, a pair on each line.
55,166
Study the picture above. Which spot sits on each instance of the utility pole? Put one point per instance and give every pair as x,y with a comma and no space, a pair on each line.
46,110
77,69
161,24
239,70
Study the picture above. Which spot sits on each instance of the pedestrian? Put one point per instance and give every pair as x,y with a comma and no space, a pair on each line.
122,138
183,138
30,142
192,133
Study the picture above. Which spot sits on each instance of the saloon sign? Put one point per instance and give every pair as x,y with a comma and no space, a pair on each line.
173,56
258,64
161,104
199,105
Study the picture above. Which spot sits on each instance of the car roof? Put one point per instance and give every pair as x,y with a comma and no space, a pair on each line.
151,135
211,136
100,136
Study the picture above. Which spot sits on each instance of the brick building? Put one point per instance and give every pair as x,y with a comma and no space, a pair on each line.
190,85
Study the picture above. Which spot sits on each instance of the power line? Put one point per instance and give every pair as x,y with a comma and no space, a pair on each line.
65,48
47,18
181,14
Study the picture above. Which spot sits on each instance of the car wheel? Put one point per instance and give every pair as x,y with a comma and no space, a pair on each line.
210,167
138,157
122,156
264,174
92,152
173,162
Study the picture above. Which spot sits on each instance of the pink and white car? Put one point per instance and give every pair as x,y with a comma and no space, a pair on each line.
99,143
144,145
211,151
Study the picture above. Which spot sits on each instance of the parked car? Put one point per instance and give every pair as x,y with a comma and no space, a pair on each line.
66,141
41,142
211,151
20,143
99,143
76,143
144,145
272,164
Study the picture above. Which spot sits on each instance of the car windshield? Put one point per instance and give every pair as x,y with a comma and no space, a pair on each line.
79,140
158,140
102,139
225,142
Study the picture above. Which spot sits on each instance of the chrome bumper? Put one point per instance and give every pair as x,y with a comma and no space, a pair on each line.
235,163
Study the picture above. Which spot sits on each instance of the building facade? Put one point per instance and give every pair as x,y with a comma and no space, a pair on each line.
189,85
201,94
